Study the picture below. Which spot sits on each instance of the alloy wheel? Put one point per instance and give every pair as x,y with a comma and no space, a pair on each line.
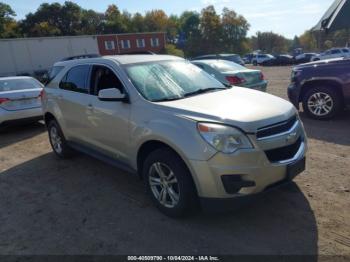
320,104
56,140
164,185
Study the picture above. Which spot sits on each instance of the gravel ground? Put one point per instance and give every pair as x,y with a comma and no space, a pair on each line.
83,206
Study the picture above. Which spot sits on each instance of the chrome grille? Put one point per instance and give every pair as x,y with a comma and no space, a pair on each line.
275,129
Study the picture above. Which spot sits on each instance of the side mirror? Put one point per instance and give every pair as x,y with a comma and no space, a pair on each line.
112,94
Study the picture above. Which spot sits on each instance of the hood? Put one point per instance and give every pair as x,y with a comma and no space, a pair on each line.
240,107
322,62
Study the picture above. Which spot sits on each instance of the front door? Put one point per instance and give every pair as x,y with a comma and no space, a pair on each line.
110,119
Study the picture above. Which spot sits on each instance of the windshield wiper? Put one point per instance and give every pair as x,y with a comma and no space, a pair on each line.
167,99
202,91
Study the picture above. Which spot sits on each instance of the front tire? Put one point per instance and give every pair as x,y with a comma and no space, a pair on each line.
321,103
169,183
57,140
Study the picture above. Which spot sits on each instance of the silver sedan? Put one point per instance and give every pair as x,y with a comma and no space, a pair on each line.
20,99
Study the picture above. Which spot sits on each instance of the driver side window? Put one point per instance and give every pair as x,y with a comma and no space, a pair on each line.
104,78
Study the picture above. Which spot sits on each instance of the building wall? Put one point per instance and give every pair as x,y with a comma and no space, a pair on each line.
133,43
28,55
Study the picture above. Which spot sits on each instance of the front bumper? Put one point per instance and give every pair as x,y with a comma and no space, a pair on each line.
251,168
20,115
293,95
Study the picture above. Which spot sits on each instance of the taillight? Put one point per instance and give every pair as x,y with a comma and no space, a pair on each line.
3,100
41,93
235,80
262,77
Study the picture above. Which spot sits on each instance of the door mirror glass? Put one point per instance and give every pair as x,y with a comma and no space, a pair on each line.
111,94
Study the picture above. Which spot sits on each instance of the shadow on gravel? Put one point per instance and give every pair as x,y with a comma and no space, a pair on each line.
334,131
13,134
82,206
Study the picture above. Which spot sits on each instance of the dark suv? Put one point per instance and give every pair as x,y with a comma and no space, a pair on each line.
323,87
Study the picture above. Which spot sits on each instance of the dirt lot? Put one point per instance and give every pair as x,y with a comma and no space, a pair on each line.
83,206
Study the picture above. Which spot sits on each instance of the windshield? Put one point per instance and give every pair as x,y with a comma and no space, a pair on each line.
18,84
167,80
225,66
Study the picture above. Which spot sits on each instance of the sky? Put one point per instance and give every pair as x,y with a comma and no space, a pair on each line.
286,17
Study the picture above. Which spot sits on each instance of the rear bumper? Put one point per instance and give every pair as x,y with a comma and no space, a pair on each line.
261,86
7,117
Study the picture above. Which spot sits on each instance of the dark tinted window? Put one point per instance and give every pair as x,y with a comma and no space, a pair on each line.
103,78
76,79
336,51
345,50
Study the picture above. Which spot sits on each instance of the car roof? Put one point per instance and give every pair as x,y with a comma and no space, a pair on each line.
121,59
210,61
16,77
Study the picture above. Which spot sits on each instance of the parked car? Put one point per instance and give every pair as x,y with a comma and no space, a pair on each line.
20,100
248,58
260,58
279,60
322,87
230,73
187,135
304,58
229,57
332,53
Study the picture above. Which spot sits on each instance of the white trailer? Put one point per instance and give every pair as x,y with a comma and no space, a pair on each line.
22,56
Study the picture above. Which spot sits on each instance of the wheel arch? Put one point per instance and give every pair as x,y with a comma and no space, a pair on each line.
151,145
321,82
48,117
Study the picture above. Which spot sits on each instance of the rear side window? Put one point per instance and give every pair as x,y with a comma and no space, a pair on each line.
53,72
345,50
336,51
76,79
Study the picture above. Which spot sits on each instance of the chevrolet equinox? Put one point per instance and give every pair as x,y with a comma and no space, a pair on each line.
190,138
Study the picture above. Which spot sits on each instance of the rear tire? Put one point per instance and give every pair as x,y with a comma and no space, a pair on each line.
322,103
58,142
169,183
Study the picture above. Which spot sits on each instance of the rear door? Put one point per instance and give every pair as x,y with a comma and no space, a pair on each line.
108,119
20,94
73,101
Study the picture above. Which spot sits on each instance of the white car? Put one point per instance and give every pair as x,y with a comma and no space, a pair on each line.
332,53
260,58
20,99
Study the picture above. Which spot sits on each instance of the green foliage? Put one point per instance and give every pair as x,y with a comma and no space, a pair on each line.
8,26
270,42
171,49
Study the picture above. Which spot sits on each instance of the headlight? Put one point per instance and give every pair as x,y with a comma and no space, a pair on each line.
223,138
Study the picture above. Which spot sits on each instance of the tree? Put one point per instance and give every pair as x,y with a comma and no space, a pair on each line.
308,41
8,25
211,30
270,42
91,22
172,50
156,20
57,19
114,21
138,23
235,30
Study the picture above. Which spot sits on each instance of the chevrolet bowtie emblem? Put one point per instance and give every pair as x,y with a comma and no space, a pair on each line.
291,136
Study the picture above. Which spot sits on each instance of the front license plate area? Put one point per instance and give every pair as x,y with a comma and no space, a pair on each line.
296,168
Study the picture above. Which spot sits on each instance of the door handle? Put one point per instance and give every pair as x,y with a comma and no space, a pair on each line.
90,107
